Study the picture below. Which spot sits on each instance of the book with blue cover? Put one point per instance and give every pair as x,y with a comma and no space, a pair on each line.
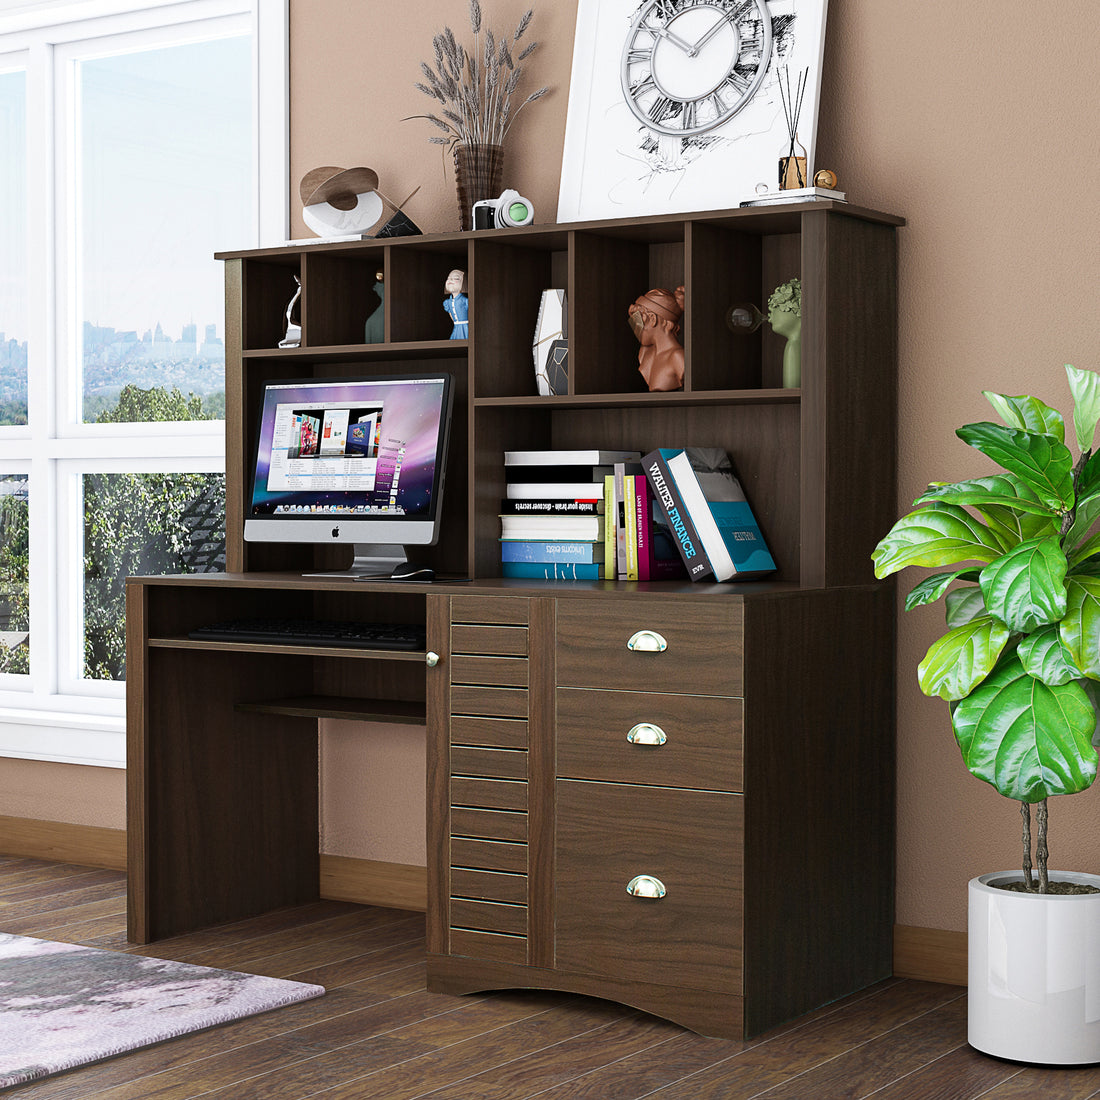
706,489
550,570
577,550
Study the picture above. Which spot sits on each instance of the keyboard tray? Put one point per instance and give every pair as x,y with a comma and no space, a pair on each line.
312,632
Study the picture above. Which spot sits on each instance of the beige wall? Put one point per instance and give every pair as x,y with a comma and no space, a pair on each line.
976,122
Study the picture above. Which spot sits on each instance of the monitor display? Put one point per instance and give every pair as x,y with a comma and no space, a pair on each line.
352,460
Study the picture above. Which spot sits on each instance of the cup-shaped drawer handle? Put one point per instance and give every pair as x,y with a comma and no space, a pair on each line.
646,733
645,886
646,641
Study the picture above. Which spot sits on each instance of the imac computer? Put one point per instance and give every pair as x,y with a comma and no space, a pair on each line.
354,460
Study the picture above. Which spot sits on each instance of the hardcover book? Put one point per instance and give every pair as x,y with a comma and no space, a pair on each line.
657,556
542,528
567,551
550,570
704,480
675,516
569,458
551,507
553,490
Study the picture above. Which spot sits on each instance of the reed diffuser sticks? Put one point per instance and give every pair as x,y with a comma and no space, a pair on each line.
792,168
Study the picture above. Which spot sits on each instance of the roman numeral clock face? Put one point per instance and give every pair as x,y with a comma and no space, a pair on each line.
689,66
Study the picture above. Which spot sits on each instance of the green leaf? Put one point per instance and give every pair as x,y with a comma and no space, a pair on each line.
1000,489
1044,657
1089,548
932,588
960,660
1027,739
1011,527
1039,460
1086,514
1080,627
1026,588
941,534
1088,480
1028,413
1085,385
964,604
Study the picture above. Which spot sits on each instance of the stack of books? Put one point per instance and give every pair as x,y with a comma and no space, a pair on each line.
641,547
552,520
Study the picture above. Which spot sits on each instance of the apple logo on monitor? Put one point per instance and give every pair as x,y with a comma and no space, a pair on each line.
336,532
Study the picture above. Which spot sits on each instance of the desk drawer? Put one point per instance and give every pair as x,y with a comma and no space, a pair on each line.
702,746
689,840
702,654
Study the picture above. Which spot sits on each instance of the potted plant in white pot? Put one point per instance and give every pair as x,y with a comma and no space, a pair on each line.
1019,667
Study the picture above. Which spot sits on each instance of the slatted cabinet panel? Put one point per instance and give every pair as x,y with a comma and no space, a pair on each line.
488,752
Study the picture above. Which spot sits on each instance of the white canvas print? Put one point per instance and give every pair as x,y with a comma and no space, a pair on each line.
676,105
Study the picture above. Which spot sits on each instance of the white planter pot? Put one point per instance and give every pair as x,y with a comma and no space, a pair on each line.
1034,963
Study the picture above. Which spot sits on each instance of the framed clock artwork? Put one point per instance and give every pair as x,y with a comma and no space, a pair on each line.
675,105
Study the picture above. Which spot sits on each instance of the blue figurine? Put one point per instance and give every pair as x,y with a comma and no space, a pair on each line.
457,304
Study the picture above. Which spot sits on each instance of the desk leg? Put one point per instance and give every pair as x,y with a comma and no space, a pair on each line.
222,805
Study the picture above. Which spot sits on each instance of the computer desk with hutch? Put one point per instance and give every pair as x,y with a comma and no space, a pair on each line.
767,816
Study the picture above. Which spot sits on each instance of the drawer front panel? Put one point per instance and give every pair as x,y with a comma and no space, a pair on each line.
489,916
500,733
489,855
489,945
702,747
491,763
692,842
493,702
489,824
496,641
488,794
489,886
496,671
508,610
702,655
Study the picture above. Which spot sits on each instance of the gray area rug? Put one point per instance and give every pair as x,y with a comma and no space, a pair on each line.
63,1005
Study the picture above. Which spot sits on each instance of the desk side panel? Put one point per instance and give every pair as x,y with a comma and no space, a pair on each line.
226,802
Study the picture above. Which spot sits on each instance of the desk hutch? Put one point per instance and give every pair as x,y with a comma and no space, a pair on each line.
769,813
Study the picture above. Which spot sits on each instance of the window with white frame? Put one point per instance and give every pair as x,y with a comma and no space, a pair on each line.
133,144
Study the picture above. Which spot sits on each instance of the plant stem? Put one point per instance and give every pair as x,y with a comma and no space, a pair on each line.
1041,852
1025,813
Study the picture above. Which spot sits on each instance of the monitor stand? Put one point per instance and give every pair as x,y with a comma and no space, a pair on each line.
370,560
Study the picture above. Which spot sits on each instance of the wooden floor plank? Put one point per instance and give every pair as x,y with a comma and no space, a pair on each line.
562,1063
874,1065
1058,1083
377,1034
962,1074
778,1058
465,1052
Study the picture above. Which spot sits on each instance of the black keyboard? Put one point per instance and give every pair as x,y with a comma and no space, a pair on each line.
403,636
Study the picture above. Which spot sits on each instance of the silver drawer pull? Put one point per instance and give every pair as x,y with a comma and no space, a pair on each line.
646,641
645,886
646,733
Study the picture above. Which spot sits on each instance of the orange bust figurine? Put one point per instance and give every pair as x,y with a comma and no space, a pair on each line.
655,319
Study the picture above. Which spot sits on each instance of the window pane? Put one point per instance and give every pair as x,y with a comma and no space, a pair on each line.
13,248
142,524
165,179
14,573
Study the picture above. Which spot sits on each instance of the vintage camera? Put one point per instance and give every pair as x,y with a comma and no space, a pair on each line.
506,212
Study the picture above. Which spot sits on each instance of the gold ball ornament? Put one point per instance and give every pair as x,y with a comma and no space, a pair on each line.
825,178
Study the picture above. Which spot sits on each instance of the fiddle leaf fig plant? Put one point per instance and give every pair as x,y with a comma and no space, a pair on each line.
1019,664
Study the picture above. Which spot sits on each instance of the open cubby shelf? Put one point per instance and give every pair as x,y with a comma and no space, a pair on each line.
795,449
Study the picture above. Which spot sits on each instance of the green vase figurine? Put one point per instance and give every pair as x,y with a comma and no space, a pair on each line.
785,318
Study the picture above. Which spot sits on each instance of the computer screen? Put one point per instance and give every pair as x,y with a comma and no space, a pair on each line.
352,460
